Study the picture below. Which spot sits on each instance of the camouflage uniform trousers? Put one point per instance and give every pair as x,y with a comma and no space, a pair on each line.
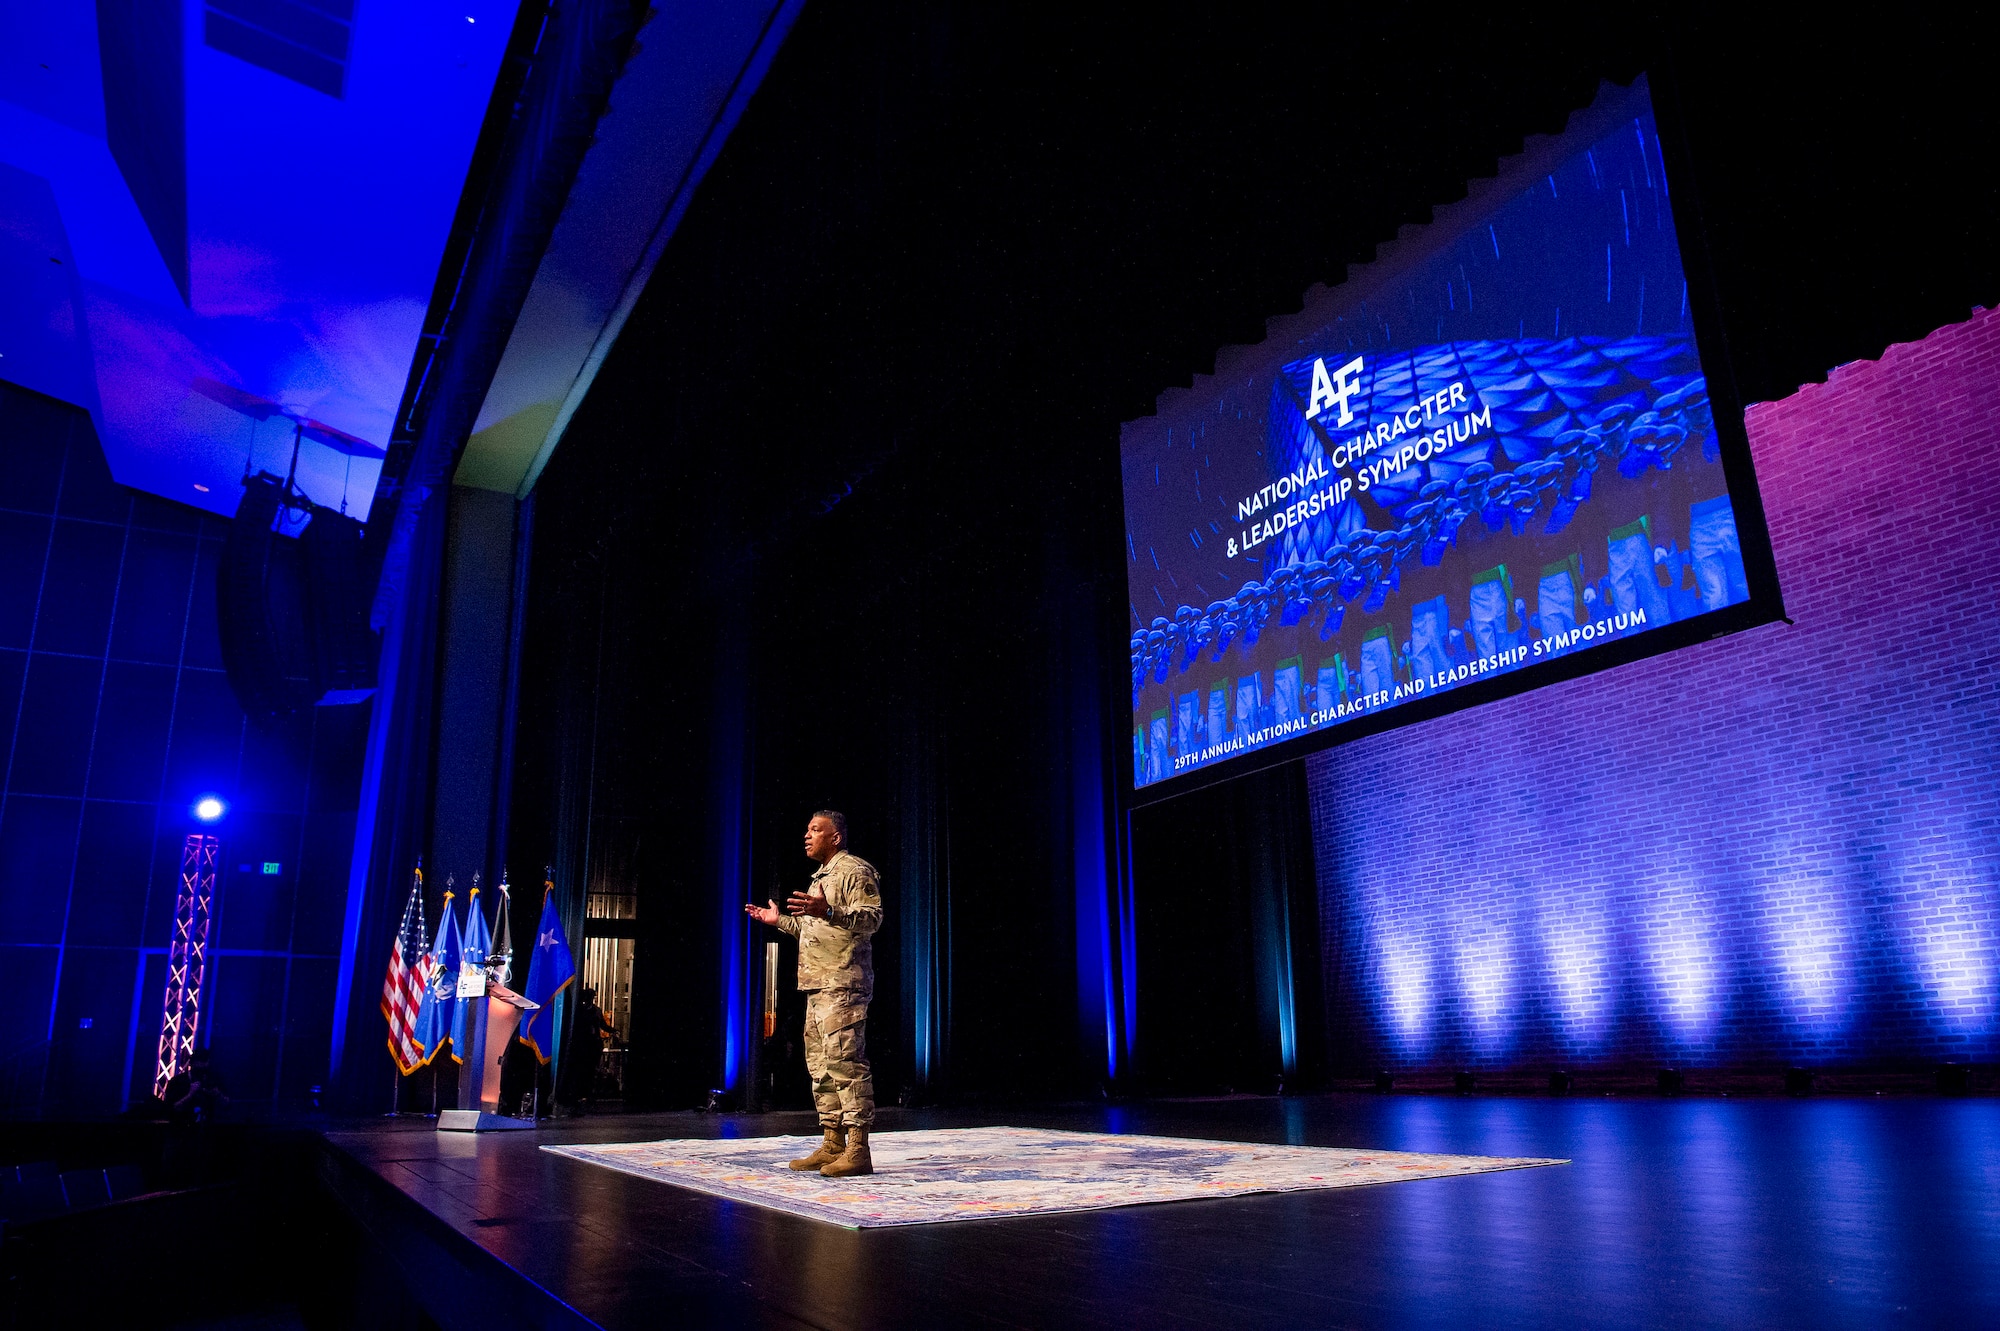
837,1058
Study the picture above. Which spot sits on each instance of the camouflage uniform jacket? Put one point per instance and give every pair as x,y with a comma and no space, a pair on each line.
835,953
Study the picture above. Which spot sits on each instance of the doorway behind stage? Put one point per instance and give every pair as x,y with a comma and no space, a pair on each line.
611,937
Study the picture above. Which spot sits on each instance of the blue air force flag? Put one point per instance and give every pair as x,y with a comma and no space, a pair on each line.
550,971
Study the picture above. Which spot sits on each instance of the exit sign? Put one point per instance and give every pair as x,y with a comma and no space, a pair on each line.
272,866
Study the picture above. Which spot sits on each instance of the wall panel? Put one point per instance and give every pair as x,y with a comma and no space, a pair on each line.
111,687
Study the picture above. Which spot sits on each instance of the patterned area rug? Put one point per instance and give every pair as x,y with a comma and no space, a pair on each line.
981,1173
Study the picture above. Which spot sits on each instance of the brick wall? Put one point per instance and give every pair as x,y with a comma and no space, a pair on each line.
1781,845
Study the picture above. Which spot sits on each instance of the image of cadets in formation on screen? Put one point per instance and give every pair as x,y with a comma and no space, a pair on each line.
1376,515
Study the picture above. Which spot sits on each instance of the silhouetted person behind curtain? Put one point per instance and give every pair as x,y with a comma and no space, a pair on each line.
588,1034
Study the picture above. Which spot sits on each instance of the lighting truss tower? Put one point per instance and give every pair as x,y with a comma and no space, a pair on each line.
187,959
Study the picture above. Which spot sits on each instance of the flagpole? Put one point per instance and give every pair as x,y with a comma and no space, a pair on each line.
551,969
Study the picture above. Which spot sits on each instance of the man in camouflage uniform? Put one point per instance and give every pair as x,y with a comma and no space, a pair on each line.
833,919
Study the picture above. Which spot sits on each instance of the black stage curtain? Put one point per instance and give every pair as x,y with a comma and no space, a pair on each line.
1229,943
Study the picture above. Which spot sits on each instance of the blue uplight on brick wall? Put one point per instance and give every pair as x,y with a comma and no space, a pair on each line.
1406,976
1812,942
1681,958
1485,977
1576,943
1953,945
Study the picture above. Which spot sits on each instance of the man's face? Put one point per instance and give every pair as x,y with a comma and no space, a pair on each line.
821,840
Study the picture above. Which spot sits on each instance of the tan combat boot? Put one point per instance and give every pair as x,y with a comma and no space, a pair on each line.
828,1152
855,1160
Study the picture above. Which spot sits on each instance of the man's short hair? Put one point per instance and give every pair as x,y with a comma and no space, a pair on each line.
839,821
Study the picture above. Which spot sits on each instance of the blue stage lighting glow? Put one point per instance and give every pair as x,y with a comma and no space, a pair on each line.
1952,926
1486,975
1682,942
1406,973
210,808
1577,945
1098,996
1813,944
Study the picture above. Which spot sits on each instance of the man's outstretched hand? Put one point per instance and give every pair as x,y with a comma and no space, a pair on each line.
764,914
807,903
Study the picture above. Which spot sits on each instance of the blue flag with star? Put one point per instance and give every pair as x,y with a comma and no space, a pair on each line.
550,971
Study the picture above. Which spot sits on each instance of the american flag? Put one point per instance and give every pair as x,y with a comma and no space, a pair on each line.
403,987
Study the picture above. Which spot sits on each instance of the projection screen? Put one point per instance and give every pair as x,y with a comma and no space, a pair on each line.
1496,457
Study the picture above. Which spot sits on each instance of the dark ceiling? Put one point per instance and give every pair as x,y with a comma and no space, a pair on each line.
936,218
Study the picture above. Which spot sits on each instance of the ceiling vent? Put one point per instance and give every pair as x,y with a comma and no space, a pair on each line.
302,40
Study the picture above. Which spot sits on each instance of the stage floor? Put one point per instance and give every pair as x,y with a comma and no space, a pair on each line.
1675,1213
